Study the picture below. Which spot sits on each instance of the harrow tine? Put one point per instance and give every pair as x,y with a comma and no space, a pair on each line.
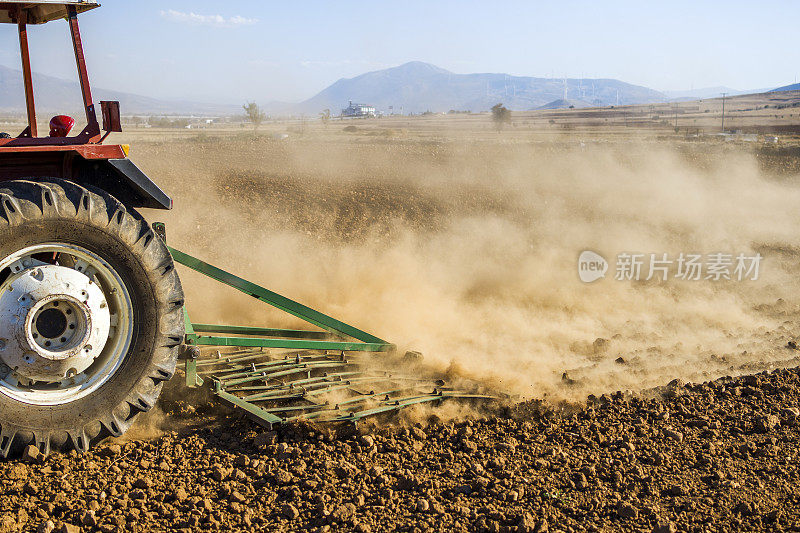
298,408
264,376
232,370
231,357
339,406
384,406
391,405
327,387
297,382
243,371
368,397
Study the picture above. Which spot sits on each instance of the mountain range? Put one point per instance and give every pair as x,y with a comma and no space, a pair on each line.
711,92
57,95
792,87
417,87
413,87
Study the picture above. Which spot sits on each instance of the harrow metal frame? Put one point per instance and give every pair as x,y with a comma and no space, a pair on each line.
333,338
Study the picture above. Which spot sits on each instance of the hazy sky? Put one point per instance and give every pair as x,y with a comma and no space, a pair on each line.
269,50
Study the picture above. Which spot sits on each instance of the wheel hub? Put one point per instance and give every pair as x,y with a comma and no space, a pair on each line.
54,322
51,322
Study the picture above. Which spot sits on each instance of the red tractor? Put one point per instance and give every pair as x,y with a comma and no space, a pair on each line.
92,315
91,307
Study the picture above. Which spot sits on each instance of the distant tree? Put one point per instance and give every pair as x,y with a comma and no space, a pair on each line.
166,122
500,115
254,113
325,116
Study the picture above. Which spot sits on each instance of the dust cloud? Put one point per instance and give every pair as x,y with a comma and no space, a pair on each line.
468,252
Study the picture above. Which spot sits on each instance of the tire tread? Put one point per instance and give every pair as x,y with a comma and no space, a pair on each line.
47,199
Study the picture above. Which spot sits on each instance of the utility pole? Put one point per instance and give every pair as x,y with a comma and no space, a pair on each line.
723,111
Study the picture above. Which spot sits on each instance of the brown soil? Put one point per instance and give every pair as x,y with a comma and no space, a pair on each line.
712,457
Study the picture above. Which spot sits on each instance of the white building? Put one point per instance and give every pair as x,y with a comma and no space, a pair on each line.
358,110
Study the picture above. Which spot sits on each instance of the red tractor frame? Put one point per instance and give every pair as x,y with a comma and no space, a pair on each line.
82,158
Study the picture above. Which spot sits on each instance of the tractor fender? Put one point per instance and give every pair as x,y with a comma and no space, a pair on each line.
125,181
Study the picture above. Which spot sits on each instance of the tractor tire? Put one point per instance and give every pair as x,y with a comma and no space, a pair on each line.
91,316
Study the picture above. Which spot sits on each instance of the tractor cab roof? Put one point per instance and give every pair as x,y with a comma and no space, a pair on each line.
41,11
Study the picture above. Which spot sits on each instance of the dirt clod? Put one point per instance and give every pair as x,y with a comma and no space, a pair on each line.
46,527
31,454
664,527
289,511
626,510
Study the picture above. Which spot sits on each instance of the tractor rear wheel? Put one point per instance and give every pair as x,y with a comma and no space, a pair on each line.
91,316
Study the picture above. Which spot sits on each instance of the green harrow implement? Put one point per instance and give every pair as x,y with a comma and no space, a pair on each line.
285,375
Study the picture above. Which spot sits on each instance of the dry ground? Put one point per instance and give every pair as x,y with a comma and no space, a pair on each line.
462,242
718,456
